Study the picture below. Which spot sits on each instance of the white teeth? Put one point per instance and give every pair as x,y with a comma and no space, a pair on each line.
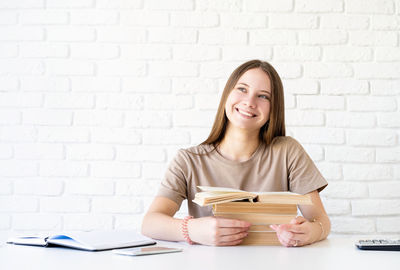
245,113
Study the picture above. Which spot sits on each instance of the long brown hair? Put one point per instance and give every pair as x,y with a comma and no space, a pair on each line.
274,127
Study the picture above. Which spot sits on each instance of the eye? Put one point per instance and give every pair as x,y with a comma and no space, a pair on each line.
264,97
241,89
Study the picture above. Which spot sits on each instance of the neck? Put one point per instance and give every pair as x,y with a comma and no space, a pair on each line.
239,144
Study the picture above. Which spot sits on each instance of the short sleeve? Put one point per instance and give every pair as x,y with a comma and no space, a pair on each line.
174,185
304,176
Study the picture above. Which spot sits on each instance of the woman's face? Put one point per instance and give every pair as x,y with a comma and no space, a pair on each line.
248,104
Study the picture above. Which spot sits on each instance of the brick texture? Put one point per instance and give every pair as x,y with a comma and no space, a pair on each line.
96,97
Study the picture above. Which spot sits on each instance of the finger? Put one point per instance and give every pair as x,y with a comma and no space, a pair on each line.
292,228
295,243
298,220
289,242
294,221
232,238
281,228
231,231
291,238
284,242
225,222
286,236
233,243
274,227
301,239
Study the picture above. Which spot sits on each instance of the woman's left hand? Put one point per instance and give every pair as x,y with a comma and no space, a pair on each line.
299,232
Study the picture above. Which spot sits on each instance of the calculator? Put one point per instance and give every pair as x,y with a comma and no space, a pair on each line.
379,244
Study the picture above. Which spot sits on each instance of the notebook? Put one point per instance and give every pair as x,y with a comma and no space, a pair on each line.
90,241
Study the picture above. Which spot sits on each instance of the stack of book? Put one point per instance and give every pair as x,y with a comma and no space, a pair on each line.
261,210
260,215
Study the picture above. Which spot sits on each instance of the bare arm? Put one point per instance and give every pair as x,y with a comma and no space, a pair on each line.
312,227
318,215
159,223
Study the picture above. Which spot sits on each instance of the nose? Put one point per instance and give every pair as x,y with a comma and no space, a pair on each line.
250,101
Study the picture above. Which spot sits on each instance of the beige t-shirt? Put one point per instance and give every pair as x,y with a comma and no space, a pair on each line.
281,166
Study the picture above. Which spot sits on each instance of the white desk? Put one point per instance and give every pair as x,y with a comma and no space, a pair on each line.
333,253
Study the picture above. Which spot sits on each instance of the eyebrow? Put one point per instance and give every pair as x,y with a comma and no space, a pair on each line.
259,90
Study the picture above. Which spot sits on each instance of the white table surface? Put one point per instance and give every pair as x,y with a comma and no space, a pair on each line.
334,253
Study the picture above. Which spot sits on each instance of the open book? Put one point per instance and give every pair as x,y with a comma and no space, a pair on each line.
91,241
216,195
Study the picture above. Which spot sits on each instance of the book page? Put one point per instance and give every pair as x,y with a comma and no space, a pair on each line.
225,190
31,240
218,189
216,195
98,240
285,193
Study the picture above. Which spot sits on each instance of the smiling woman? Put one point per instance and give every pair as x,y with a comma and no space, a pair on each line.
247,149
261,76
248,101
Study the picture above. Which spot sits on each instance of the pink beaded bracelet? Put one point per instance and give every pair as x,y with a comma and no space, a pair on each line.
185,231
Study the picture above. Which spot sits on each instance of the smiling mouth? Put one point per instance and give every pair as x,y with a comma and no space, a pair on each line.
244,113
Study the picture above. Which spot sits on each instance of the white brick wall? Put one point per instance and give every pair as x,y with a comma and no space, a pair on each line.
96,96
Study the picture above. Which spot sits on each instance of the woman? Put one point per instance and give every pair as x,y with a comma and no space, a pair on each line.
247,149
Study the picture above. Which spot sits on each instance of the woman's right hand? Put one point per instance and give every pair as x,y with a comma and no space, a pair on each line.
214,231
